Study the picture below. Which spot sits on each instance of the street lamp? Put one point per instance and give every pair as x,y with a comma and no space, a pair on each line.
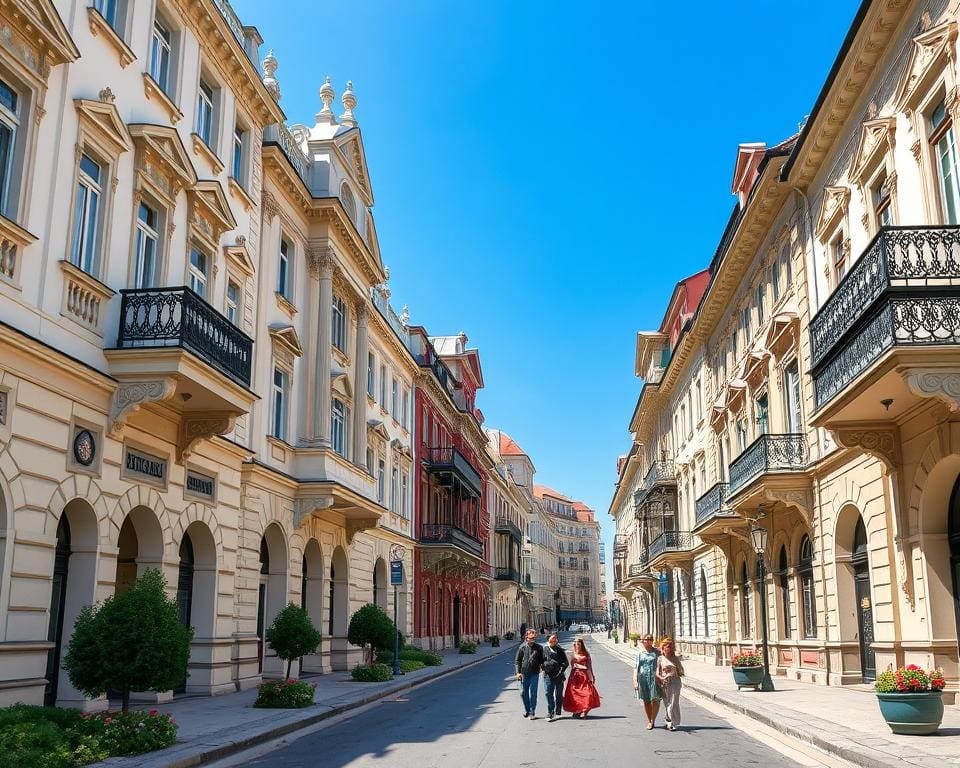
758,536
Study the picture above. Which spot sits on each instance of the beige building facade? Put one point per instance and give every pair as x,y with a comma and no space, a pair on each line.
201,371
826,348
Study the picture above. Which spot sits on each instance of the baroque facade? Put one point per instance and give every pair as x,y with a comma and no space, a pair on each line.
813,389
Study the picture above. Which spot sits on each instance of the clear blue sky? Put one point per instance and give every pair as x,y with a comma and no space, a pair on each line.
544,174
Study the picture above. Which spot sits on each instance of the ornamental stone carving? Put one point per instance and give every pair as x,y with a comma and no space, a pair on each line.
193,429
321,261
130,396
303,508
880,442
802,499
271,208
941,383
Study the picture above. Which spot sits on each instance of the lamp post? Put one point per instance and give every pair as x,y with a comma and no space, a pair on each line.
758,536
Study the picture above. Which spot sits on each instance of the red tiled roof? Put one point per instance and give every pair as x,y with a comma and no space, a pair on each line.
541,490
509,447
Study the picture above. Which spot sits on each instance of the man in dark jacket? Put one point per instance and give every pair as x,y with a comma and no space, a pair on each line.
555,664
529,662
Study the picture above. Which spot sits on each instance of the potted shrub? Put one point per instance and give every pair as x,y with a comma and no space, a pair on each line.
634,638
911,699
747,669
372,630
494,641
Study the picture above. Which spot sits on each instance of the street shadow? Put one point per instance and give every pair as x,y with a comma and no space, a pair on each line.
594,717
693,728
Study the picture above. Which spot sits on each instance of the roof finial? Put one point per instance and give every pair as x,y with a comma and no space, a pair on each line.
326,115
270,67
349,100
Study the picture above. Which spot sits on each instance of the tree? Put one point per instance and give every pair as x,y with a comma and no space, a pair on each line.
133,641
292,635
371,625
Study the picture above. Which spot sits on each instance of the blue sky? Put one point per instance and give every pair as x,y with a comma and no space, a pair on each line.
545,173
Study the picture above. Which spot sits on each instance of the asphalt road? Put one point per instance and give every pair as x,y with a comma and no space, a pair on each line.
474,719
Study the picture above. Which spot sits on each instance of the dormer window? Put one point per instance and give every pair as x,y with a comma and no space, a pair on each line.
349,203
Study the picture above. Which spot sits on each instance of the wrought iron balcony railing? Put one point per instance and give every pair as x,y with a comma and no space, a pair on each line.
637,569
903,291
506,574
768,454
713,504
660,472
506,525
178,317
449,459
620,546
670,541
431,533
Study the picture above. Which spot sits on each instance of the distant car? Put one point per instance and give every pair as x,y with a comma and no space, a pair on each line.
579,628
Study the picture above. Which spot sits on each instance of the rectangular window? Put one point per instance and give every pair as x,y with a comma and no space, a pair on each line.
233,302
395,399
278,427
404,487
394,490
838,257
108,9
199,264
86,215
760,298
371,375
405,408
945,156
742,435
239,141
880,195
145,245
763,416
792,399
699,398
338,427
205,113
9,123
424,426
809,599
283,269
383,387
381,479
160,55
339,323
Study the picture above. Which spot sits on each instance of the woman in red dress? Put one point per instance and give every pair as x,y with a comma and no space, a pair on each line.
581,694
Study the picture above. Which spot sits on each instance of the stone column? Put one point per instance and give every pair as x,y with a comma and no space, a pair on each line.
309,433
324,340
360,388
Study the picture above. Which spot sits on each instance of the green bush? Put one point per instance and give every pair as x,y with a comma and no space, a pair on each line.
292,635
468,646
411,653
374,673
133,641
44,737
371,626
409,665
284,694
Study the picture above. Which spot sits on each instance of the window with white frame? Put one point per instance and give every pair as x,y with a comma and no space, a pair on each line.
160,46
339,323
838,257
369,463
199,270
233,302
238,167
405,408
10,103
349,203
381,479
395,399
283,268
383,387
145,247
880,199
761,296
281,394
86,215
205,110
404,494
371,374
394,488
338,426
111,11
943,143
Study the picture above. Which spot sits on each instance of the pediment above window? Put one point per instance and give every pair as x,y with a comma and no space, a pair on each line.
836,201
351,149
340,382
101,122
161,162
286,343
375,427
932,51
239,256
876,141
210,214
50,42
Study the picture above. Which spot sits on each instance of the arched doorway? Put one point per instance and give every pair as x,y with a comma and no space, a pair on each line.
272,589
185,591
456,619
380,580
861,575
311,598
58,596
953,535
140,546
337,617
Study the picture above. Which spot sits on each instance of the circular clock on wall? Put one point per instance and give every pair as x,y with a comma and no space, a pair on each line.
397,551
84,447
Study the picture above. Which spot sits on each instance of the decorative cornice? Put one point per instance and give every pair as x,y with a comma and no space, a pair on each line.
880,441
940,383
194,428
131,395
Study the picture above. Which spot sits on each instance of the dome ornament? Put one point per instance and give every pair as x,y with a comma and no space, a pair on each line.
270,81
326,115
349,100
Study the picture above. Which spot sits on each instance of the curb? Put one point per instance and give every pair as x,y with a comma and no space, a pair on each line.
853,752
197,757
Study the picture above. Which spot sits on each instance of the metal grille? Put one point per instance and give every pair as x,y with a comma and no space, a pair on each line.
450,534
672,541
711,504
768,453
178,317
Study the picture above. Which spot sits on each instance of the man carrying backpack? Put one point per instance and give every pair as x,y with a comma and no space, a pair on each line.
529,662
555,664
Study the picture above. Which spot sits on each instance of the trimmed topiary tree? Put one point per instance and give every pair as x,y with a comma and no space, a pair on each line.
370,626
292,635
134,641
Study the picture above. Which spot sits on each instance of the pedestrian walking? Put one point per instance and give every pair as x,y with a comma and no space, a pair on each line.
581,695
645,679
528,663
555,665
669,674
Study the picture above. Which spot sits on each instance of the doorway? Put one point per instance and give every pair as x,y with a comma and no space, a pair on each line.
861,576
953,535
456,620
185,592
58,598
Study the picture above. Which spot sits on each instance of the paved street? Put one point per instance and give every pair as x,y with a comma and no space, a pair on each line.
473,720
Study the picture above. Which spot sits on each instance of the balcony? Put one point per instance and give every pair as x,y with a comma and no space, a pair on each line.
172,336
506,574
713,506
661,474
433,535
449,463
891,323
620,546
669,545
506,525
768,454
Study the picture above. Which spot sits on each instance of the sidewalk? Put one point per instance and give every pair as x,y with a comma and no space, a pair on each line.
214,727
845,722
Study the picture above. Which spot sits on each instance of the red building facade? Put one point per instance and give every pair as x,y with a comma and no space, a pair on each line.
451,561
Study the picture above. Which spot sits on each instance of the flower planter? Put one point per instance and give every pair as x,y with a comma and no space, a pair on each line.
913,714
747,676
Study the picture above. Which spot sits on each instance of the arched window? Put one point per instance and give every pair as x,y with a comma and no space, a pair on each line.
703,601
349,203
783,580
808,595
745,621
